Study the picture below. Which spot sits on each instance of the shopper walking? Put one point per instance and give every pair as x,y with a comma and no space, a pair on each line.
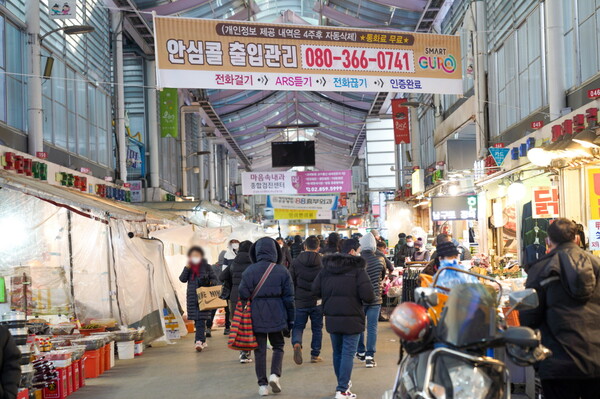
232,277
272,309
305,269
296,247
567,282
344,285
285,250
333,244
226,258
197,273
376,271
10,358
405,252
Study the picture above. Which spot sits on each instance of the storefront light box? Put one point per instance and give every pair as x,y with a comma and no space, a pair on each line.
454,208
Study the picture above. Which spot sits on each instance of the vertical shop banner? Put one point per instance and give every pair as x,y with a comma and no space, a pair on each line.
312,182
169,122
544,204
593,175
594,234
242,55
63,9
401,115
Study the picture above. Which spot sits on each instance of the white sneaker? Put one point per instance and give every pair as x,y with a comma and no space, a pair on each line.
263,390
370,362
204,345
274,383
199,346
345,395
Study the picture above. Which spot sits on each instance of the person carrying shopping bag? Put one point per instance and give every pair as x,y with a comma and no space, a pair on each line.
197,273
272,309
232,277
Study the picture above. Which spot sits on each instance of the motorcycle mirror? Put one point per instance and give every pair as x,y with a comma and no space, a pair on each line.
426,294
525,299
521,336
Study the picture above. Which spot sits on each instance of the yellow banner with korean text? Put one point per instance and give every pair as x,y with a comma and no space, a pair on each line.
288,214
221,54
593,176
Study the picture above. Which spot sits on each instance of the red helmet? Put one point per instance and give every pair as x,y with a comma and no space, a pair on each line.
410,321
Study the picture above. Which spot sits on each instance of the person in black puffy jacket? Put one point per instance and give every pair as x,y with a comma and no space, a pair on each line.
10,364
344,285
231,277
272,309
567,281
297,247
304,270
197,273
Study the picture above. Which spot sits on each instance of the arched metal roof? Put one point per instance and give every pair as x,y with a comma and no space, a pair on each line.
341,116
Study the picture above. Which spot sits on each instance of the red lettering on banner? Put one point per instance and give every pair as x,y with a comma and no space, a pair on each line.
545,202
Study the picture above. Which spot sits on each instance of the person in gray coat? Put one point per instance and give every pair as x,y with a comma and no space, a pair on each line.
197,273
376,270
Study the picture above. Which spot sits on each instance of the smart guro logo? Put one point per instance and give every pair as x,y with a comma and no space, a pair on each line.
438,59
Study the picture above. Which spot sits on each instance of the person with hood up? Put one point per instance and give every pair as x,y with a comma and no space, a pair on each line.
332,245
197,273
567,282
272,309
296,247
344,286
232,277
376,271
304,271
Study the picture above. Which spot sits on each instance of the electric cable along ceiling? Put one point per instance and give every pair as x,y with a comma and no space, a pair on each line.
246,113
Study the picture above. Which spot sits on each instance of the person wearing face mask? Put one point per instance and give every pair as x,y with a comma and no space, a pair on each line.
197,273
405,251
448,256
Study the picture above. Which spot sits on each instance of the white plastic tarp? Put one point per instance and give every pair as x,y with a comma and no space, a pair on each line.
133,277
33,234
163,283
92,264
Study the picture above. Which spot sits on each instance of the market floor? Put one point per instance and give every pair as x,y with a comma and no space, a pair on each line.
177,371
